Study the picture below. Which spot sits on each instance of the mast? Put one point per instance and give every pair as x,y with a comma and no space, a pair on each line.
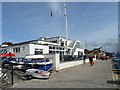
66,24
86,44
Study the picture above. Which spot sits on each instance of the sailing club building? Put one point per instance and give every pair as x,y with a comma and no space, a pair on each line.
64,53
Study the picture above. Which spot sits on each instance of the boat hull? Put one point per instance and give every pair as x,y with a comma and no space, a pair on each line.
38,73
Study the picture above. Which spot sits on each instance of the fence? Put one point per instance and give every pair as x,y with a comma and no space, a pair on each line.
11,75
70,58
7,76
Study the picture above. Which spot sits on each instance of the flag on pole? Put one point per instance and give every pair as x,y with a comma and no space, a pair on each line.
51,13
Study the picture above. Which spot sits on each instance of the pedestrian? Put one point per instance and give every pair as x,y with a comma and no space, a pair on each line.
91,60
10,56
84,59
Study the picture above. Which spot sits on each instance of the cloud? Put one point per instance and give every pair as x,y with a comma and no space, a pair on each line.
54,6
103,33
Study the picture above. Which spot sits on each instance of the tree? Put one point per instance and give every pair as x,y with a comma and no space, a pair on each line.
7,43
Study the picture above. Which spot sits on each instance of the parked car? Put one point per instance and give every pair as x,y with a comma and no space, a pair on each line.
103,57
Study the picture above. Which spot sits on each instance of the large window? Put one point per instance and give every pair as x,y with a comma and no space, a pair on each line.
50,47
16,50
38,51
3,51
50,52
78,45
62,43
54,41
53,47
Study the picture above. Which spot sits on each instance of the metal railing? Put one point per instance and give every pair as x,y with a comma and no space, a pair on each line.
7,80
70,58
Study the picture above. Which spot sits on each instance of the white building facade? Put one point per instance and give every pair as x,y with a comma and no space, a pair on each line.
46,46
55,48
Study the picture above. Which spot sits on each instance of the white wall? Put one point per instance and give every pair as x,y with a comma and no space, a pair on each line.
58,66
33,46
78,49
72,63
69,64
22,53
69,41
29,49
55,60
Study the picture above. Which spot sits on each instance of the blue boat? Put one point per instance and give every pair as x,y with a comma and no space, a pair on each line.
45,67
116,61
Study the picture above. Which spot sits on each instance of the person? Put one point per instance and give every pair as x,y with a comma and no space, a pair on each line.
91,60
84,59
10,55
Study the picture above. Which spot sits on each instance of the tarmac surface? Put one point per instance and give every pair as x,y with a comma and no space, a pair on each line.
81,76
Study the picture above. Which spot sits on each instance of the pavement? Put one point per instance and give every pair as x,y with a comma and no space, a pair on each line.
81,76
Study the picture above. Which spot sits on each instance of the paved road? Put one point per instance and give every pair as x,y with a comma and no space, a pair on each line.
82,76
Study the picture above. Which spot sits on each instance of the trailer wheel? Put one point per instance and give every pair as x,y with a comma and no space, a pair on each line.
29,77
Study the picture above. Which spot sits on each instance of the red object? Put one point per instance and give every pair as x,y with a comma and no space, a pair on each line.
103,57
7,55
40,72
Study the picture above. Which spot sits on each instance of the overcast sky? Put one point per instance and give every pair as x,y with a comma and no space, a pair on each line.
90,21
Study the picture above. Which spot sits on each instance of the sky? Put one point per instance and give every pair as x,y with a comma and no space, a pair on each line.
90,21
0,22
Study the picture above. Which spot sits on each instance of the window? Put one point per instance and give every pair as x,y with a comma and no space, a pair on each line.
23,48
62,43
54,41
53,52
38,51
50,47
80,53
13,49
57,51
50,52
16,50
78,45
53,47
3,51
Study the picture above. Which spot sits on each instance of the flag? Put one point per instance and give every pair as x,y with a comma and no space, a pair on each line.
51,13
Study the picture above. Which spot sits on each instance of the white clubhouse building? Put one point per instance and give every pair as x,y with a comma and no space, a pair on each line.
46,46
54,48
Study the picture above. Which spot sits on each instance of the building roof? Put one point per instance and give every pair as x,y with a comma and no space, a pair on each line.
33,41
26,42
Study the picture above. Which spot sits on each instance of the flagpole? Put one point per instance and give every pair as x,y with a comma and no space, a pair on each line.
66,25
86,44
